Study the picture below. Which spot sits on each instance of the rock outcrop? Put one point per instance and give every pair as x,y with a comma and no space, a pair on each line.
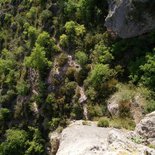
78,139
54,141
146,128
113,107
134,105
130,18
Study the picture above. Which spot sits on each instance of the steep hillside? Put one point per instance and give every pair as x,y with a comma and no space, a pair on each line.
59,63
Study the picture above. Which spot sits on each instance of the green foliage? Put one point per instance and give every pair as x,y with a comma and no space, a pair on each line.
102,54
45,15
44,40
63,40
148,70
62,59
100,74
137,139
32,33
32,13
81,57
22,143
95,111
35,145
54,123
120,123
4,114
22,87
35,33
15,142
37,59
72,27
103,122
77,112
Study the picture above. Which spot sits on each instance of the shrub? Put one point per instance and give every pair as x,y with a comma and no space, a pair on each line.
54,123
81,58
103,123
64,40
86,123
100,74
148,70
70,73
4,114
22,87
37,59
15,142
102,54
77,112
95,111
32,13
45,14
126,123
62,59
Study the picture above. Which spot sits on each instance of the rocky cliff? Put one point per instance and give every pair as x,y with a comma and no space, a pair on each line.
79,139
88,139
130,18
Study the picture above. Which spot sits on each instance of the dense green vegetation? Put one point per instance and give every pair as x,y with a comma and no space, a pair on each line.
40,91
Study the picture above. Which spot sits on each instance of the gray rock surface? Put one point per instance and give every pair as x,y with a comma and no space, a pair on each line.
113,107
135,106
146,128
130,18
78,139
54,141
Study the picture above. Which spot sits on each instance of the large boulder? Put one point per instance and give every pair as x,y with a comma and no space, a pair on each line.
146,128
78,139
133,105
113,108
130,18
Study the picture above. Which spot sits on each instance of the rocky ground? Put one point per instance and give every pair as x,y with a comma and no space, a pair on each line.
88,139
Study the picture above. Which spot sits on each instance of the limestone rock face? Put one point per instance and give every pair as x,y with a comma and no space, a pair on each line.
130,18
113,108
146,127
54,141
78,139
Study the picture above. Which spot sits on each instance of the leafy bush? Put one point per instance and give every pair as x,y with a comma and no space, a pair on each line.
126,123
95,111
15,142
103,123
64,40
4,114
37,59
77,111
148,71
54,123
81,58
62,59
22,87
100,74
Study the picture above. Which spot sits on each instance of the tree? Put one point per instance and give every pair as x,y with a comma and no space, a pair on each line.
64,40
37,59
34,143
14,143
44,40
100,74
4,114
81,57
72,27
148,70
101,54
